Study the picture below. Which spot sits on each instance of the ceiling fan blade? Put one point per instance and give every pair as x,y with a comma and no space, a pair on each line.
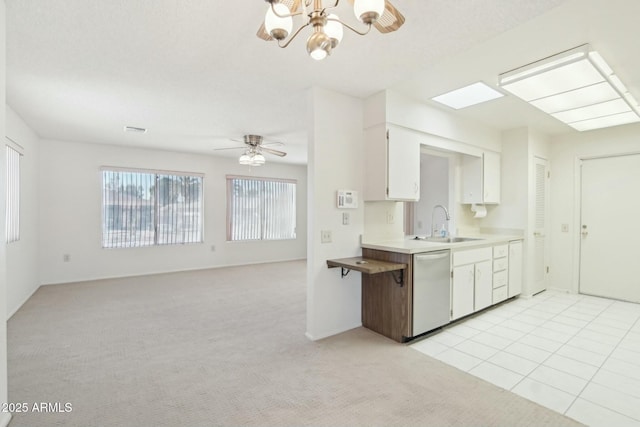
229,148
293,6
390,20
272,151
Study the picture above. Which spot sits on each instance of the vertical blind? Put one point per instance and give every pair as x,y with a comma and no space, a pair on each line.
144,208
260,208
12,224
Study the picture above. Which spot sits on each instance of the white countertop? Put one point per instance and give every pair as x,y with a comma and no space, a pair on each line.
411,246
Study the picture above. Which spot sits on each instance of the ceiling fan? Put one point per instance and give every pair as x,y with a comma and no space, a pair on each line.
255,146
327,26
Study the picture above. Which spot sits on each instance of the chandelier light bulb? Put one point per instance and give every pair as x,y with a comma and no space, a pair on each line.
319,45
334,30
244,159
277,26
368,11
258,160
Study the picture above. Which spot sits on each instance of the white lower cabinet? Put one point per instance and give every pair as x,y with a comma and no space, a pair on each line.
515,268
485,276
471,288
462,291
500,273
483,285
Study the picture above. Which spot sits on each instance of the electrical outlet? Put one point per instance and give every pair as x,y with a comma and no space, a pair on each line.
213,248
564,228
345,218
66,258
391,217
325,236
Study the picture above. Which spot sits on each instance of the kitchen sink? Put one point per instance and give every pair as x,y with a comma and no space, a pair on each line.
446,239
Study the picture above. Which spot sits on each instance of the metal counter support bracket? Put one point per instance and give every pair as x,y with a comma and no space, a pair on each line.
344,272
399,279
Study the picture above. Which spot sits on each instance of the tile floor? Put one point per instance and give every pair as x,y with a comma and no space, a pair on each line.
576,354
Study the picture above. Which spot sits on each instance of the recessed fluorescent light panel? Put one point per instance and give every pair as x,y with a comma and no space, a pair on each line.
576,87
467,96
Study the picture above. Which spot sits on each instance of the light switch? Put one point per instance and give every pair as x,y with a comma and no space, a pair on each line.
564,228
391,218
345,218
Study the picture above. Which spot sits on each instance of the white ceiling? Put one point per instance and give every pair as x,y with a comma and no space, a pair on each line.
194,73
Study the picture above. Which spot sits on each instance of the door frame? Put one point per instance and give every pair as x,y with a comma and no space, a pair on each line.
577,210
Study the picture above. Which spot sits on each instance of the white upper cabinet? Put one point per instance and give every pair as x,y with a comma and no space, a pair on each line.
481,179
392,162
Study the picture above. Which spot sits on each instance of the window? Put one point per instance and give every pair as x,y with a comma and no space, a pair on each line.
260,208
144,208
12,224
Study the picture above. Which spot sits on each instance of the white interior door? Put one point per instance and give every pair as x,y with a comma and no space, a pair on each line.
541,213
610,207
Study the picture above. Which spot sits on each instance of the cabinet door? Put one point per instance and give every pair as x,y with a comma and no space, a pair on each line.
483,285
491,177
471,179
403,167
481,178
515,268
462,291
375,163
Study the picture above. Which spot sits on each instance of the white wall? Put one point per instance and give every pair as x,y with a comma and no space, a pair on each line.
434,190
564,154
22,255
440,129
4,417
70,214
334,162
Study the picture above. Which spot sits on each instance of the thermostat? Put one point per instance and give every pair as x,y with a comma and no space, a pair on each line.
347,199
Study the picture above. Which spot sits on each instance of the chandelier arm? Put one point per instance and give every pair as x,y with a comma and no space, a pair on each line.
351,28
293,36
331,7
273,9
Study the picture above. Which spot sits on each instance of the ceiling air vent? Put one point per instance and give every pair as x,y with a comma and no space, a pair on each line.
134,129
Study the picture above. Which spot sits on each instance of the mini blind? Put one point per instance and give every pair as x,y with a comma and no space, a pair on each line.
145,208
12,224
260,208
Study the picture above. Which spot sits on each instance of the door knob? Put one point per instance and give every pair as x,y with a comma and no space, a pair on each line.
584,231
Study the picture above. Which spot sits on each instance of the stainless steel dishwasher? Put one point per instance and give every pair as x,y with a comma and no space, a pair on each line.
431,291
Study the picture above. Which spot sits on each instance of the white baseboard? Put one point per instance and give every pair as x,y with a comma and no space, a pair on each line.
331,333
5,417
152,273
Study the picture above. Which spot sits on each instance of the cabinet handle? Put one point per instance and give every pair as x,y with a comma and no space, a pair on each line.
416,188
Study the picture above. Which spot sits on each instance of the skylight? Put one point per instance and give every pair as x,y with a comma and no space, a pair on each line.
467,96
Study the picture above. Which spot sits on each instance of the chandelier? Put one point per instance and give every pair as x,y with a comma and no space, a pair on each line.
327,27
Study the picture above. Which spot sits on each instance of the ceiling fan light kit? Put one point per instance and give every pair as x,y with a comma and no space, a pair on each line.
327,27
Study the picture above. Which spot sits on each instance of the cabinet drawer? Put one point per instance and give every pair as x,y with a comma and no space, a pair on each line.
500,251
472,255
499,294
500,264
500,279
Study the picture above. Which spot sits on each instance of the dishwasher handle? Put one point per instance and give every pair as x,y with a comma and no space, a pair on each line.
431,256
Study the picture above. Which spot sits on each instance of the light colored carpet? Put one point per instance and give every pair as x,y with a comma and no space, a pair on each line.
227,347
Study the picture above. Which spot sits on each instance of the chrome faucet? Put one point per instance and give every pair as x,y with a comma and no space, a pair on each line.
446,213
